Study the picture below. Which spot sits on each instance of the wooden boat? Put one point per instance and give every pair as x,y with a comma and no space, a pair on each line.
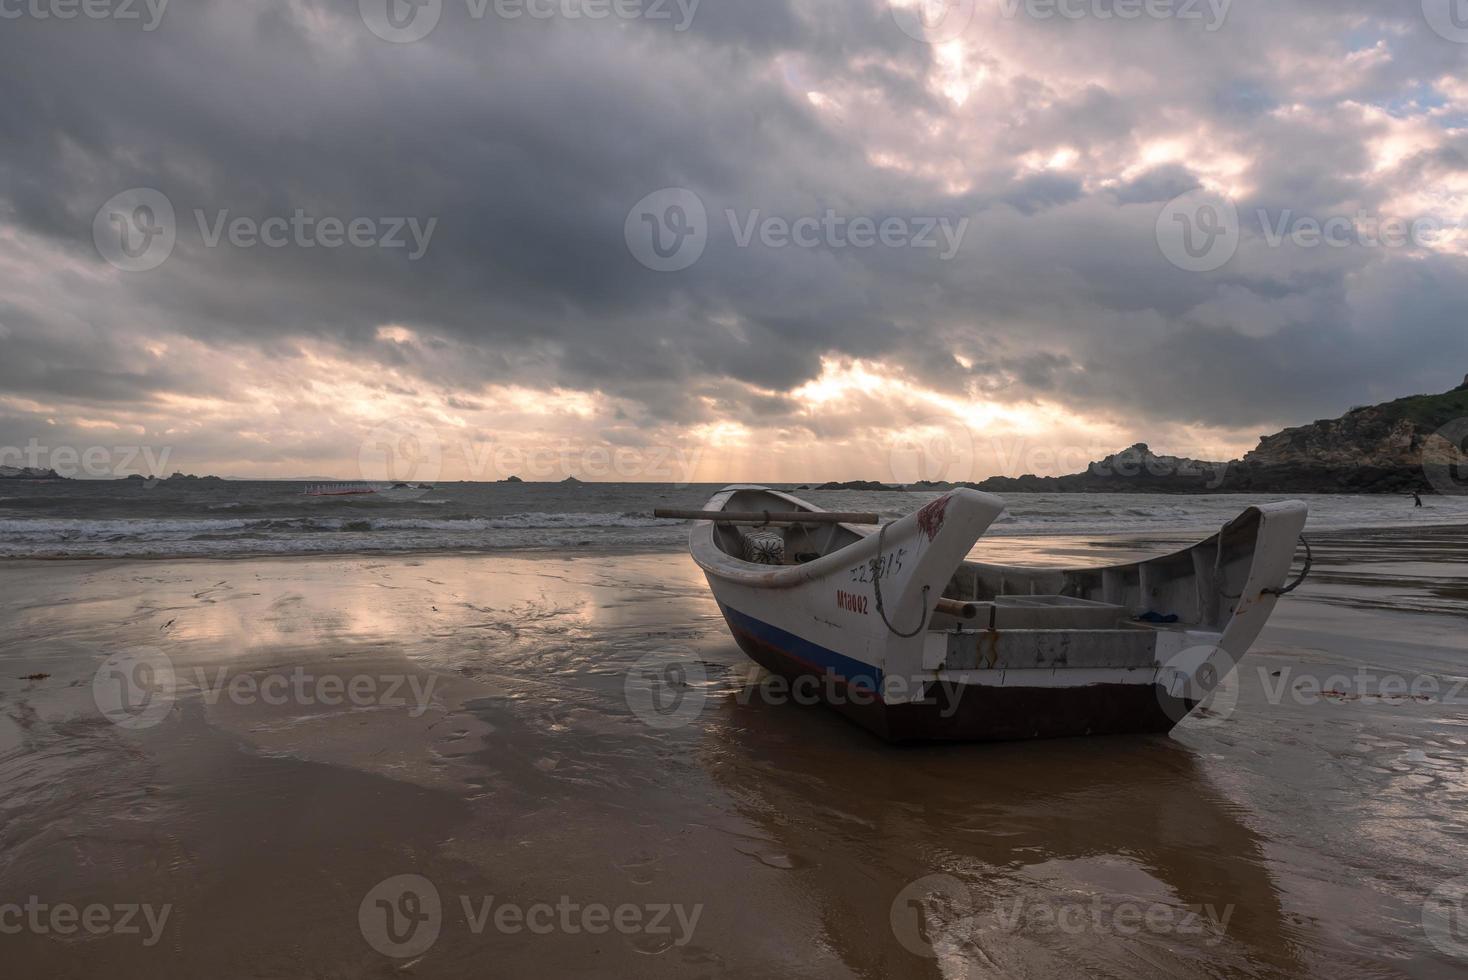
898,630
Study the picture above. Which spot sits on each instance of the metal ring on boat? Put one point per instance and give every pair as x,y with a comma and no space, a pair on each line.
1304,572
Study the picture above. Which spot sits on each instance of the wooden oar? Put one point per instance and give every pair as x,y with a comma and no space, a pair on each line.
962,610
767,516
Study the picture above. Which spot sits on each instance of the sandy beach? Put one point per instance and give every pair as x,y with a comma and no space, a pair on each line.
319,727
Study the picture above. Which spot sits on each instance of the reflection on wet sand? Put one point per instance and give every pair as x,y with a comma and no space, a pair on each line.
1029,829
1290,839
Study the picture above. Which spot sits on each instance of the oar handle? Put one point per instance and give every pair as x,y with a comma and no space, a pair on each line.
961,610
767,516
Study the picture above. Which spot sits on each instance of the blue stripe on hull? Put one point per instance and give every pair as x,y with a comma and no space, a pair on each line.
812,655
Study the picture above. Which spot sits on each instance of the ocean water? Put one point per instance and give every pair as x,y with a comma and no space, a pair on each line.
127,519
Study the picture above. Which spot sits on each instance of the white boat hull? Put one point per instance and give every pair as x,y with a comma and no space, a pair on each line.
1054,653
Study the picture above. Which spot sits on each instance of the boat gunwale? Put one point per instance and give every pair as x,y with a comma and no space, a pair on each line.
716,561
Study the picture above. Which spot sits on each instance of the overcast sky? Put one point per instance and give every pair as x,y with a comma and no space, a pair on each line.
291,237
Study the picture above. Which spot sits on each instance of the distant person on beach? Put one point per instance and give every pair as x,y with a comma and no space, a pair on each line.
1417,497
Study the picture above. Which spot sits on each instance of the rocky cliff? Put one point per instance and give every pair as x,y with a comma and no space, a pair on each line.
1392,447
1411,444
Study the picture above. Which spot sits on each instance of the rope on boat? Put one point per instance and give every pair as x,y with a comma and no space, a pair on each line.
876,565
1304,572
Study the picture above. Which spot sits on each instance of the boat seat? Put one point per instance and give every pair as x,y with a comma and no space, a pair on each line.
1017,649
1056,612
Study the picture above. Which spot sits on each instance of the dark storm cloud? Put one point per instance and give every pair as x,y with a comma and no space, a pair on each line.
529,140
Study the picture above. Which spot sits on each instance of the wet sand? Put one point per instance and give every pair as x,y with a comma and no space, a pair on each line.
495,746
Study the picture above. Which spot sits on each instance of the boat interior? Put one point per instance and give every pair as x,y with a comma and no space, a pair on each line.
1191,589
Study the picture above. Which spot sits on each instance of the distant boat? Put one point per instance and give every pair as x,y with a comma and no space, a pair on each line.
897,630
338,489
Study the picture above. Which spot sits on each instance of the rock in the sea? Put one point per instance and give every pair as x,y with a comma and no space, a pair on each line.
28,473
856,485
